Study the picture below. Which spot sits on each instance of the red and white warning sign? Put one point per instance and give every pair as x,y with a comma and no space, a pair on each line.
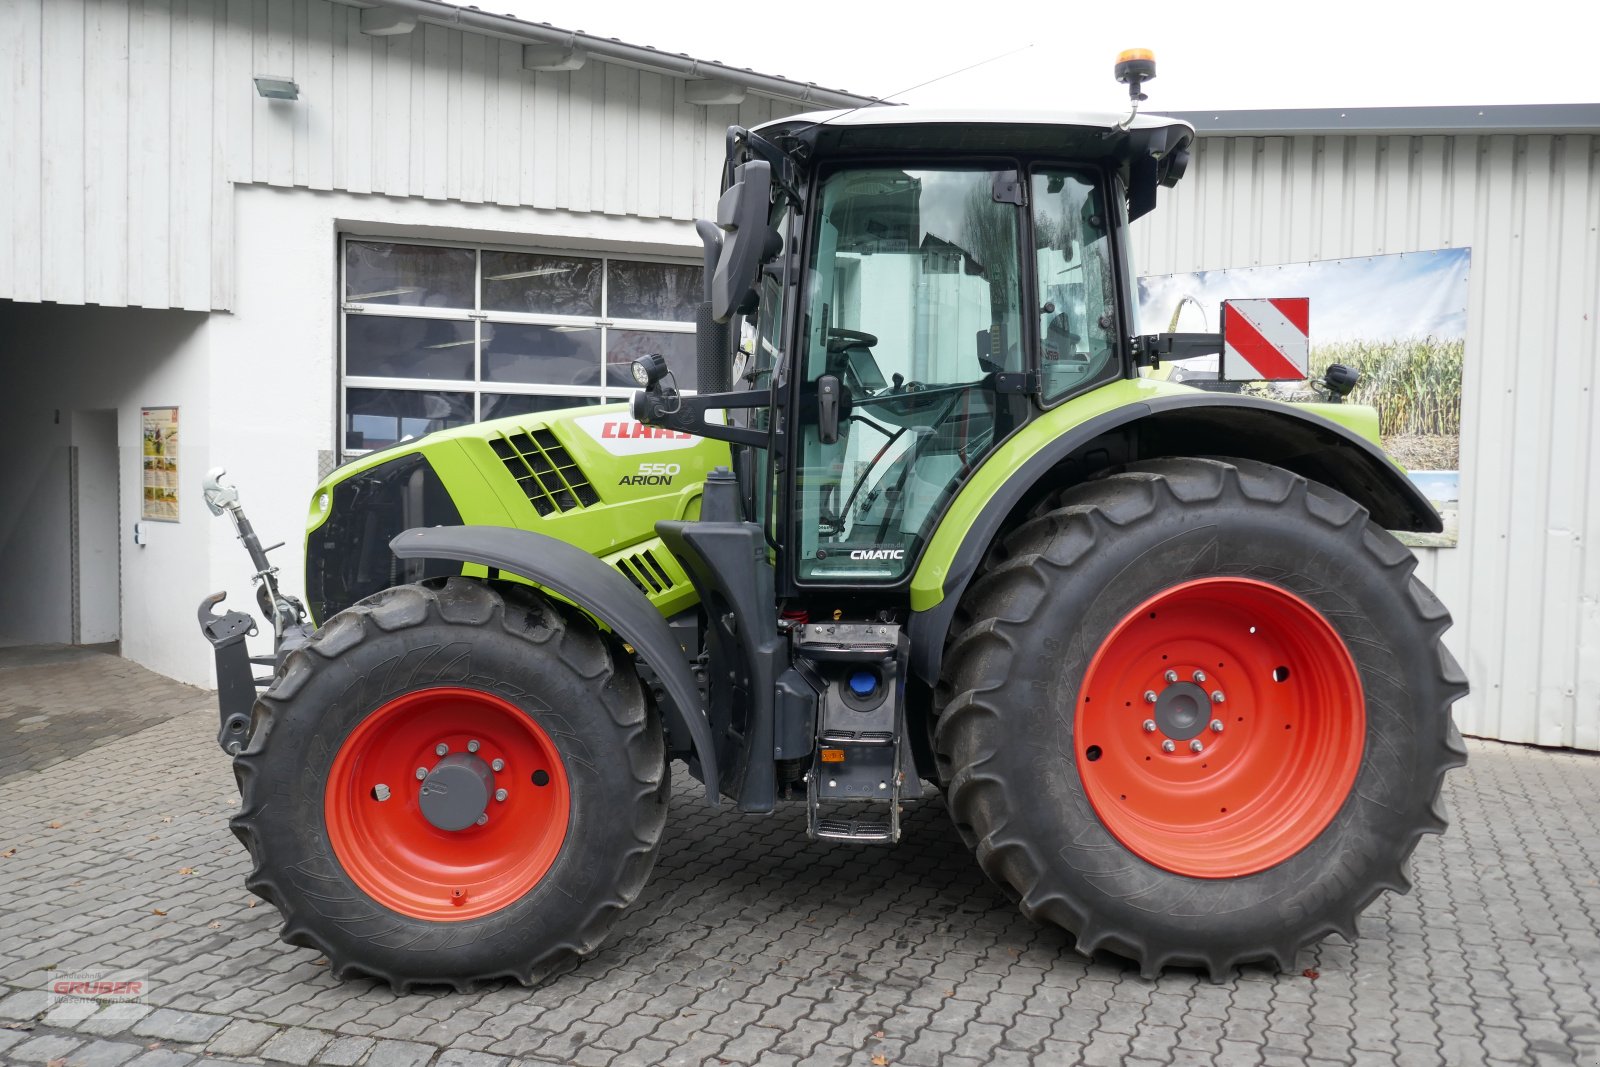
1266,340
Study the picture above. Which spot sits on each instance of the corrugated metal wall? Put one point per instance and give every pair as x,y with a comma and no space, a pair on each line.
1524,584
125,121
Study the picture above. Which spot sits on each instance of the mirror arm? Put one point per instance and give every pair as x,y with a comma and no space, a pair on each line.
687,414
1151,348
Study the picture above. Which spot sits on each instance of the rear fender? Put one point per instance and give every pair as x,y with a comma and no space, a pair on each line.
598,589
1125,422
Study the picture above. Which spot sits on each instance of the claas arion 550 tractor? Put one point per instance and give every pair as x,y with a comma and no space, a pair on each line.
926,527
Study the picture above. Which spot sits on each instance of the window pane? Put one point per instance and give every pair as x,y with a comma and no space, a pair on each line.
545,355
385,346
625,346
1077,292
545,285
416,275
501,405
667,291
377,418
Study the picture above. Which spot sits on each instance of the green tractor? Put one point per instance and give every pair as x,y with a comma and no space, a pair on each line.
926,528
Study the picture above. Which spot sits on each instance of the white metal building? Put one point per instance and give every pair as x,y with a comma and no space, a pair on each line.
1520,186
308,276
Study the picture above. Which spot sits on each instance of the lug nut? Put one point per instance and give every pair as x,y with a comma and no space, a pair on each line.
1196,746
422,773
380,791
483,818
472,746
1199,677
440,749
500,795
498,765
1168,746
1171,676
1217,697
1149,726
1149,696
1216,726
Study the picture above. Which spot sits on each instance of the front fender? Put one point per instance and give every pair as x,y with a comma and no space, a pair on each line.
596,588
1132,420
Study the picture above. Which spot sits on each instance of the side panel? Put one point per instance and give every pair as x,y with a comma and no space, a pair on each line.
590,476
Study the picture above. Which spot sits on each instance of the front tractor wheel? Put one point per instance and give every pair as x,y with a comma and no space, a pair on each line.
1198,714
452,782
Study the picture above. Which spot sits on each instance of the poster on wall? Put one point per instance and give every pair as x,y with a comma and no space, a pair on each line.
1400,320
160,427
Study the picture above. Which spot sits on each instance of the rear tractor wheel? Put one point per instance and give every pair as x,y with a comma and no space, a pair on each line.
1198,714
452,782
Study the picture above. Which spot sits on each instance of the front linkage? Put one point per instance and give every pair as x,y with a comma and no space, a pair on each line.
236,680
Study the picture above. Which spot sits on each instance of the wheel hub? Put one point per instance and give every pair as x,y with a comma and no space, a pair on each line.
1219,727
1182,710
455,794
486,821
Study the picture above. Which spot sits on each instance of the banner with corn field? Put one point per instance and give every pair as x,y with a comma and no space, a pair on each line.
1400,320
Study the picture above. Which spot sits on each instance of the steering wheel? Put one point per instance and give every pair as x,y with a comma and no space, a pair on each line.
840,339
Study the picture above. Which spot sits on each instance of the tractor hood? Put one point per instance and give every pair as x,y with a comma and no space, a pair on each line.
591,476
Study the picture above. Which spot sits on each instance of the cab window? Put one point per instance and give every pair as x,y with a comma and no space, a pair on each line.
1078,327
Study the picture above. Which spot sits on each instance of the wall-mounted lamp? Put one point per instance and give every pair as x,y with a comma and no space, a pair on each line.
274,87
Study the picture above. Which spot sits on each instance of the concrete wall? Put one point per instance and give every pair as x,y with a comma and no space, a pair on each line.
57,360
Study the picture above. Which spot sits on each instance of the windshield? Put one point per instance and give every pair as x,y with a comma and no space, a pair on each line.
913,302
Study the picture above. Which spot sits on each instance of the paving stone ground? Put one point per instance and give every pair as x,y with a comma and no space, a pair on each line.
751,945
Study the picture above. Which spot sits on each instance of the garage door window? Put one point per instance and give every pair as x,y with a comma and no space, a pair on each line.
435,336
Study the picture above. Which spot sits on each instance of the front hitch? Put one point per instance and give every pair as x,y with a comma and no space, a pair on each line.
236,683
236,686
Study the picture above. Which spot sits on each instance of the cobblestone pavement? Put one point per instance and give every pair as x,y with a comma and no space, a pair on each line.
753,946
48,715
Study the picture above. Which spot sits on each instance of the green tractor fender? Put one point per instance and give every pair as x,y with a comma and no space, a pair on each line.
589,582
1139,419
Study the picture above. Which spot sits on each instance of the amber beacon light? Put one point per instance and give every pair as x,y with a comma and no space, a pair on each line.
1135,66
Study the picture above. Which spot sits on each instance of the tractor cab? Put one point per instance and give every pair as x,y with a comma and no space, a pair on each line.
921,285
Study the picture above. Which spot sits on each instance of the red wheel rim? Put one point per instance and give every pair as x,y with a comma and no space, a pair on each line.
1292,718
399,858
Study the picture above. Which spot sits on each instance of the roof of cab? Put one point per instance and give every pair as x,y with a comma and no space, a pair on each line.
947,116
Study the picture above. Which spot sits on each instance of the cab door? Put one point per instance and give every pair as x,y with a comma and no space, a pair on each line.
913,305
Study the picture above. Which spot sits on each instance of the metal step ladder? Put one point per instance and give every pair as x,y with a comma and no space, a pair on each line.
854,788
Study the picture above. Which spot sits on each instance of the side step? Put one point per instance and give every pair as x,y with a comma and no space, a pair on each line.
853,790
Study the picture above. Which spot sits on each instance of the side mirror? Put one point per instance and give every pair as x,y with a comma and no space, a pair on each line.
742,216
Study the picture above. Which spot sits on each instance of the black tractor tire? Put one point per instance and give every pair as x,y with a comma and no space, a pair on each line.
1027,632
546,660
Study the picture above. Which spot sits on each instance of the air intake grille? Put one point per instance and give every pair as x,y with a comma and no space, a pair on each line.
644,572
545,471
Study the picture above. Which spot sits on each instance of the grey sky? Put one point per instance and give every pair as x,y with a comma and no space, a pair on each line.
1355,53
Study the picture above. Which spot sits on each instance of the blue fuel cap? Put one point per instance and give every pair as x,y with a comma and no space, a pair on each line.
862,683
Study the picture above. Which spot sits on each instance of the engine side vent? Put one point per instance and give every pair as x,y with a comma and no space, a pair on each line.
645,573
547,473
